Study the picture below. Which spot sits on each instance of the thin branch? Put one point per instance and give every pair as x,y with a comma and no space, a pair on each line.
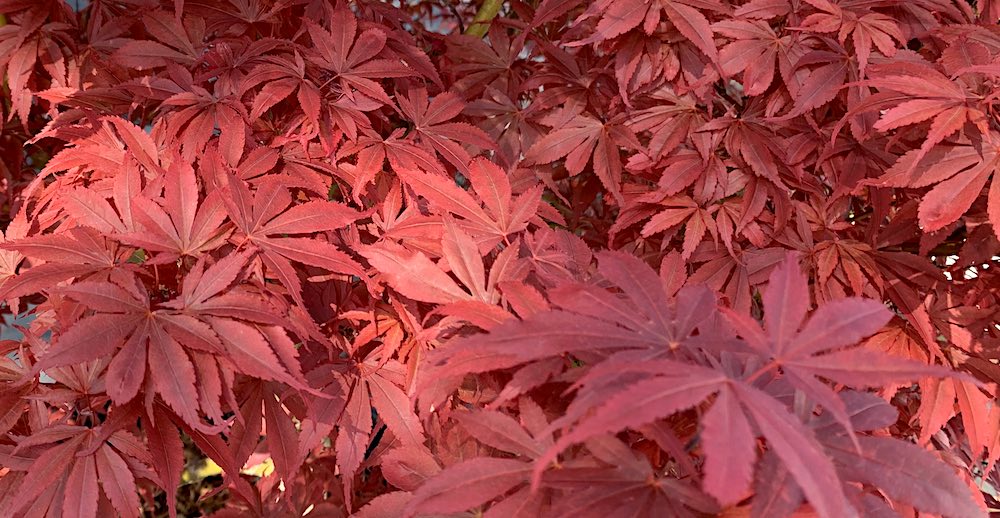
481,23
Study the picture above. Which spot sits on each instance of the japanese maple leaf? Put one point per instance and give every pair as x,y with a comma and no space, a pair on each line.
581,138
751,138
841,263
393,222
915,92
854,18
196,114
669,121
753,51
115,148
399,333
508,123
263,405
127,329
373,381
173,43
351,59
65,465
619,17
372,150
631,486
250,325
305,167
246,13
824,81
589,319
179,340
503,214
176,224
89,208
795,348
281,77
79,252
414,275
658,388
957,173
429,118
570,79
231,62
675,211
264,218
632,54
662,387
906,473
480,65
164,444
736,277
25,40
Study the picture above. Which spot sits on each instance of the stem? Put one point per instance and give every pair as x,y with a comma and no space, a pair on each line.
761,371
481,23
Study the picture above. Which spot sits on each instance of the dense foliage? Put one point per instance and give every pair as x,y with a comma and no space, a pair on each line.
619,258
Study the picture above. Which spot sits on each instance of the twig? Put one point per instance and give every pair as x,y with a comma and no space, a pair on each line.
481,23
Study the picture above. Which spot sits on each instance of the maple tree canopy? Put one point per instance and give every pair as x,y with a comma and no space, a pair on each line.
500,258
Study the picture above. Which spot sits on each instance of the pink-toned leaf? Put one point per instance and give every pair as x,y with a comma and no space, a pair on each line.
466,485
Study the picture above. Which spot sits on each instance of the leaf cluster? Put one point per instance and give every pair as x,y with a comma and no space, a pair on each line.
526,258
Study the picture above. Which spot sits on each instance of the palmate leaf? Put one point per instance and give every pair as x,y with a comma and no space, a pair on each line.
178,225
68,470
264,215
958,174
352,400
77,253
585,139
129,325
831,327
799,451
500,431
134,335
394,407
631,487
116,482
591,320
414,275
503,214
661,388
753,52
353,57
906,473
621,17
430,119
417,277
674,387
639,404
